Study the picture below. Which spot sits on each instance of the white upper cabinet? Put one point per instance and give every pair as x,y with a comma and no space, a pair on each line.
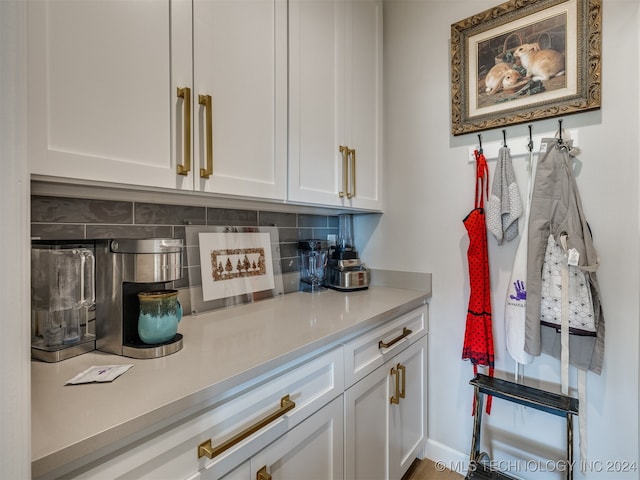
101,77
115,91
254,98
240,61
335,102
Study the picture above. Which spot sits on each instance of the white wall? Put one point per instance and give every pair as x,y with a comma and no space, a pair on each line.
430,189
15,384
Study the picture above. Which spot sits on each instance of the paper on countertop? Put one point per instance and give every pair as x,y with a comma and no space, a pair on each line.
107,373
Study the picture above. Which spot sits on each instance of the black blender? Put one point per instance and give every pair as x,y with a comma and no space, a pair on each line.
345,271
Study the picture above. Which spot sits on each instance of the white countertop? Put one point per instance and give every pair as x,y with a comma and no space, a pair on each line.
222,349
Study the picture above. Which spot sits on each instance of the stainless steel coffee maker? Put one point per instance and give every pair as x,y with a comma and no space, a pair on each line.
125,268
62,299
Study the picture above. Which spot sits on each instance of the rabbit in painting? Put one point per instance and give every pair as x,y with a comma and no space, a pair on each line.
540,64
501,76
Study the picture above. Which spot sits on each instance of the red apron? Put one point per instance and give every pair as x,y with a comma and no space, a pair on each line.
478,336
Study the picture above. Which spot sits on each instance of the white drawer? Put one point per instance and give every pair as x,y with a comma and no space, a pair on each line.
174,452
369,351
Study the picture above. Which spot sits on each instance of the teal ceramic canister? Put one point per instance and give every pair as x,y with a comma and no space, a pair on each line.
160,313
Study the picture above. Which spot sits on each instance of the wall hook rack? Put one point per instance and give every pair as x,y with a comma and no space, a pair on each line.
519,146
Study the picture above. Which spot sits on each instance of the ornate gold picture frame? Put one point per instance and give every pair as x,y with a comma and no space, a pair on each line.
525,60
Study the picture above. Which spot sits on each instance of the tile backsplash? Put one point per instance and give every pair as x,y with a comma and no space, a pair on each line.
66,218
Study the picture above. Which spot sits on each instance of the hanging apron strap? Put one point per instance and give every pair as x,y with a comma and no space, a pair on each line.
482,179
564,328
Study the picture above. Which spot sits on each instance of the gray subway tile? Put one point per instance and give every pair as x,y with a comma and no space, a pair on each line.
231,217
159,214
277,219
288,250
56,231
77,210
184,281
312,220
288,265
129,231
305,233
288,234
322,233
180,232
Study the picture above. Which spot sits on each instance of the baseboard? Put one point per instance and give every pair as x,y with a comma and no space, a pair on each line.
447,457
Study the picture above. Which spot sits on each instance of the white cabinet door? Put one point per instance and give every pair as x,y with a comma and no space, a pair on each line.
385,417
408,418
312,451
367,433
102,83
316,100
240,61
363,83
335,100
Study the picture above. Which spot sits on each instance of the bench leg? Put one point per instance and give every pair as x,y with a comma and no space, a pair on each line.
569,446
477,419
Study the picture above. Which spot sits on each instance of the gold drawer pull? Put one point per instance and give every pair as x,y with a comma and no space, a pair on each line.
405,333
395,399
403,389
345,171
352,191
185,94
263,474
208,106
206,449
400,390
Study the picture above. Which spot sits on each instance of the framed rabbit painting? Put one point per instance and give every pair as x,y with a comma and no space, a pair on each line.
525,60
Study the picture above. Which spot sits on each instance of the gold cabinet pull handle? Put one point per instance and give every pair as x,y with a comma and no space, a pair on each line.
403,389
185,94
405,333
345,170
263,474
208,107
205,449
395,399
352,190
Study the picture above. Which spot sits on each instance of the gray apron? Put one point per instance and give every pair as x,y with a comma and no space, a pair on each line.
556,209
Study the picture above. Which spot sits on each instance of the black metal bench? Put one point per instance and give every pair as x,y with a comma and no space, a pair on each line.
553,403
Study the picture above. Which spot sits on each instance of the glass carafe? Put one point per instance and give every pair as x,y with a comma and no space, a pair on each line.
62,282
313,264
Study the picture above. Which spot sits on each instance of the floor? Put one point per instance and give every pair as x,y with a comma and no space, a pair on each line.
428,470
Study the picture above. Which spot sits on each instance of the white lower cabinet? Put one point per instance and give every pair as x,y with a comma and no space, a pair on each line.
239,473
385,417
357,412
312,451
221,438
